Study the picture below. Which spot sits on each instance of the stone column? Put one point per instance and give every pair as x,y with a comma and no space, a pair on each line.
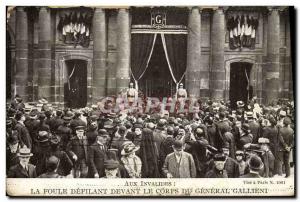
44,54
21,74
123,50
271,70
217,74
194,53
100,54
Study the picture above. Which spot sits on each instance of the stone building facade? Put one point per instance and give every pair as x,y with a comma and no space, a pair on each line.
42,63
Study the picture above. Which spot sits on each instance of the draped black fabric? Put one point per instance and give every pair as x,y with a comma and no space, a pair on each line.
141,45
176,47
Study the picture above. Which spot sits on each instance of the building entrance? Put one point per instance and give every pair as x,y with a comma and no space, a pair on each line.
240,88
75,86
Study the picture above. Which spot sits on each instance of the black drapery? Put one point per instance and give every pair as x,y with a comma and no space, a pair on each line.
141,49
176,47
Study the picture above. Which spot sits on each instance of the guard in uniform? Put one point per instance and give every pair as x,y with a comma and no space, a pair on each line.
132,95
181,94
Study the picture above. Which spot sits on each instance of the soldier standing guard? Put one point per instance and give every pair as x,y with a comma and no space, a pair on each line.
181,93
132,95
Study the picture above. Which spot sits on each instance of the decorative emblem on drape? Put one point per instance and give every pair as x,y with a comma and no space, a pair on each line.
242,30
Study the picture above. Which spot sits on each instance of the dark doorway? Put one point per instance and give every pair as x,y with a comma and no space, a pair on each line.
239,89
157,80
76,83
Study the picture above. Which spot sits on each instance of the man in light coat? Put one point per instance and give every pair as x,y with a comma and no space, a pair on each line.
179,164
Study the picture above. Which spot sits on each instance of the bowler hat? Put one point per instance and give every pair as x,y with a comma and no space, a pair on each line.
255,163
111,164
246,127
219,157
177,144
43,136
80,127
33,114
103,132
68,116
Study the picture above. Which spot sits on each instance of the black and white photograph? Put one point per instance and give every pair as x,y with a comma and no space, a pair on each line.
150,101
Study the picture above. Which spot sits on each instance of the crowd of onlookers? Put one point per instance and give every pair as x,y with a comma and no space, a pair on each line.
217,141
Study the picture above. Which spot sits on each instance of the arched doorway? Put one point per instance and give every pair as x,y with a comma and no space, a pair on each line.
75,85
240,85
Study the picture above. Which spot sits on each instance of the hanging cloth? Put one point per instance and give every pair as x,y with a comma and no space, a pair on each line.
169,64
71,75
247,84
136,79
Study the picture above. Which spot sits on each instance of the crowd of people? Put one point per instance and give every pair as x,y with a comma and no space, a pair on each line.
216,141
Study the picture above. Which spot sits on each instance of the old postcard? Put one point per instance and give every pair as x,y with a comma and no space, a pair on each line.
150,101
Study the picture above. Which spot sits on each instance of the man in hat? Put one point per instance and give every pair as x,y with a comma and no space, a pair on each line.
51,168
111,167
255,166
32,124
56,121
246,136
77,150
64,131
23,169
12,149
272,133
211,131
282,115
231,165
159,135
42,151
266,155
138,134
97,154
43,126
179,164
24,136
166,146
17,103
131,161
198,144
65,166
286,144
253,126
218,170
77,121
222,127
